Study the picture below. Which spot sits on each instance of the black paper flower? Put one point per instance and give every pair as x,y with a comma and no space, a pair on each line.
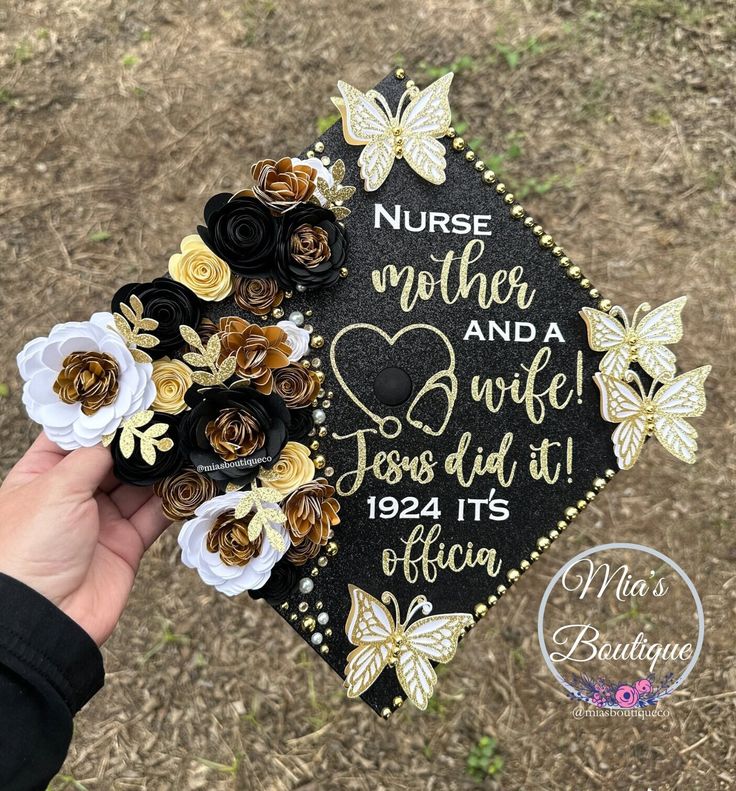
302,423
136,470
312,246
229,434
280,585
167,301
241,231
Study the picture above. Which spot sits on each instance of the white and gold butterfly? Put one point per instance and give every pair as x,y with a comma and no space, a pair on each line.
660,412
642,340
410,133
383,642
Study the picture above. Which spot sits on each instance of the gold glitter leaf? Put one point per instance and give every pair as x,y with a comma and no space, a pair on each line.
338,171
156,430
190,336
107,439
128,312
214,347
148,439
129,324
147,324
203,378
195,359
340,212
234,487
227,369
140,356
139,419
146,341
165,444
148,452
276,539
344,193
137,306
122,326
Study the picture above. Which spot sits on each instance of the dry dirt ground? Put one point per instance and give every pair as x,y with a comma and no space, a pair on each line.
615,123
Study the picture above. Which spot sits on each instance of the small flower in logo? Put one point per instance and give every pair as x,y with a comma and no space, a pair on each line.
643,686
626,696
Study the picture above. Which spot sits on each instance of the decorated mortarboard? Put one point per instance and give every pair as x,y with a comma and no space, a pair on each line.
371,387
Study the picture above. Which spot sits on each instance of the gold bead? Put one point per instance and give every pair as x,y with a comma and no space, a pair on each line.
524,564
492,600
501,589
319,146
306,364
480,610
480,166
609,473
458,143
565,261
590,496
534,556
570,513
332,548
278,313
397,701
318,605
553,534
574,272
309,623
500,188
537,230
517,212
310,154
581,505
320,376
308,312
562,525
322,431
512,575
557,251
528,222
317,342
328,632
322,561
508,198
598,484
605,305
542,543
410,84
293,617
344,271
386,713
451,131
585,283
594,293
316,362
470,155
303,606
324,649
489,177
314,572
314,444
546,241
399,74
319,461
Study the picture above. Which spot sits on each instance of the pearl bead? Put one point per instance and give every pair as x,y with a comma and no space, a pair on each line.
301,289
306,585
323,618
297,317
319,416
316,638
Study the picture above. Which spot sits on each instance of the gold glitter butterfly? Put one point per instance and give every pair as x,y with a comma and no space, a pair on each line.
408,134
642,340
383,642
660,412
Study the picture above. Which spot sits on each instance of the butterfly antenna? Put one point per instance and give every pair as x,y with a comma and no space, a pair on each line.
618,311
418,603
632,376
388,598
645,307
381,101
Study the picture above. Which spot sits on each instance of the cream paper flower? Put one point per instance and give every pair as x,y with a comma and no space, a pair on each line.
293,468
43,363
297,338
228,579
172,379
200,270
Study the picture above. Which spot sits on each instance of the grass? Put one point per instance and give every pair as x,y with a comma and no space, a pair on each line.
324,122
23,52
166,638
484,760
99,236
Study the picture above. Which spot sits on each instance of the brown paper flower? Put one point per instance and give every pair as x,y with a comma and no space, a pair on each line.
299,554
297,385
200,270
172,379
234,434
309,245
311,511
205,329
87,378
281,185
183,493
228,537
293,469
259,295
258,350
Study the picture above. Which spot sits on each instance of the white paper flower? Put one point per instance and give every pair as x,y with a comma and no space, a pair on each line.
41,361
322,172
229,580
297,338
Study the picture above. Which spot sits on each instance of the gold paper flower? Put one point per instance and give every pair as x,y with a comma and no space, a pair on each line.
309,245
281,185
258,294
257,350
234,433
299,554
172,379
181,494
297,385
293,469
311,511
200,270
228,537
88,378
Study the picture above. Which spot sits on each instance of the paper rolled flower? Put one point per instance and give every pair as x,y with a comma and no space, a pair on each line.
302,423
293,469
258,350
200,270
311,511
259,295
206,329
172,379
81,381
280,585
170,303
241,231
181,494
230,434
297,338
297,385
321,173
215,544
312,247
138,471
282,184
301,553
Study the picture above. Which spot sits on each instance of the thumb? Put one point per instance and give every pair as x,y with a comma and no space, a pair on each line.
83,470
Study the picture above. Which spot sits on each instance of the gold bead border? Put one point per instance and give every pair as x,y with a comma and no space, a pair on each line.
571,512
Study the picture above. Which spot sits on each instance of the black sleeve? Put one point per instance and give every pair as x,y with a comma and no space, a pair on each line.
49,668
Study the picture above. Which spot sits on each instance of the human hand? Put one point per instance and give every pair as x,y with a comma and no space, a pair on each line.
72,532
